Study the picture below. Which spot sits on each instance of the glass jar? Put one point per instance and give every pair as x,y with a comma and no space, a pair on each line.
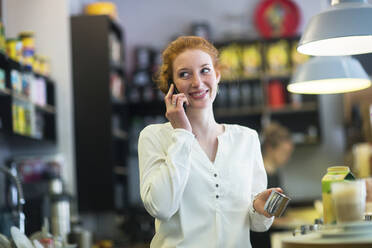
334,174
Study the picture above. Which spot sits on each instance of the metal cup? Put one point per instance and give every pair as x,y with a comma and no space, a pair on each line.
276,203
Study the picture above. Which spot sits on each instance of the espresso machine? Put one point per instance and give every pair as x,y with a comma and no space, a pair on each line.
12,211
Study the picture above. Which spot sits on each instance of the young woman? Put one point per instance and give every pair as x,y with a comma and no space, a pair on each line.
203,182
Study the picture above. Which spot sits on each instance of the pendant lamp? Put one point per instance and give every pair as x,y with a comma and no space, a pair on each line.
329,75
344,29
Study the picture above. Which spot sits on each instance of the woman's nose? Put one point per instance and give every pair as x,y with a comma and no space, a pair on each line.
196,81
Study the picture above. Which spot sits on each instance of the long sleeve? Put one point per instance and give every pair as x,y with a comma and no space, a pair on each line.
259,222
164,164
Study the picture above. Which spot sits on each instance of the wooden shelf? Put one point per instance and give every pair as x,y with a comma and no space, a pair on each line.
258,110
21,97
267,77
259,77
46,108
47,78
244,79
18,137
303,107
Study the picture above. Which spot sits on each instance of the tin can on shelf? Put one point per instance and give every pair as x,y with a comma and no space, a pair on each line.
28,49
14,49
36,64
334,174
44,65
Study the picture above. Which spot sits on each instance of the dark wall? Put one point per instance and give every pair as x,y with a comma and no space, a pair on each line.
366,61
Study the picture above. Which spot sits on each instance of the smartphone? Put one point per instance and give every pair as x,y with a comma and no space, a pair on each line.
175,91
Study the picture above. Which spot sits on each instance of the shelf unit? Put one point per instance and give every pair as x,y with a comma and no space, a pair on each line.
258,110
27,103
247,95
100,113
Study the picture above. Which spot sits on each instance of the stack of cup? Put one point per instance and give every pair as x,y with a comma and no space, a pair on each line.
349,200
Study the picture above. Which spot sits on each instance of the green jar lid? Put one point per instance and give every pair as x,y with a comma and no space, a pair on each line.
338,169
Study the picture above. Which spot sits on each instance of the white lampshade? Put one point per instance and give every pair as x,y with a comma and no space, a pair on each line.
329,75
344,29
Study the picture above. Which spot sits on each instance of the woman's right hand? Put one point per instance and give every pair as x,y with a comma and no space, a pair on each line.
260,200
175,112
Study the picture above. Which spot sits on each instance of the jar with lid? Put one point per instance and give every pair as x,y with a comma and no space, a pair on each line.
334,174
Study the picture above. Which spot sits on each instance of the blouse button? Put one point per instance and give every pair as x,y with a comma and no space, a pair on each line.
217,196
216,185
215,175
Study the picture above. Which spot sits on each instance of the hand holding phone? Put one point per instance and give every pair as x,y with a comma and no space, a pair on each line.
175,92
175,113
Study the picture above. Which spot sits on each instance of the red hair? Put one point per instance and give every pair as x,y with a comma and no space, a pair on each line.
175,48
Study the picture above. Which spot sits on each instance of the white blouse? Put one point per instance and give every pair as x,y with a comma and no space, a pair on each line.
197,203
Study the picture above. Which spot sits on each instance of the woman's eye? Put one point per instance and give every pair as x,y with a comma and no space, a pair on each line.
205,70
183,74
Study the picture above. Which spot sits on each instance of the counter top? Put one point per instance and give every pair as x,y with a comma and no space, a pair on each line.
315,240
295,217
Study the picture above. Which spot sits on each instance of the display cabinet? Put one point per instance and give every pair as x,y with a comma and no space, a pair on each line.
100,113
253,88
27,103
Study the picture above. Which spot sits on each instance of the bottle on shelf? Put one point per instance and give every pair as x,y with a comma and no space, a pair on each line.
246,94
142,89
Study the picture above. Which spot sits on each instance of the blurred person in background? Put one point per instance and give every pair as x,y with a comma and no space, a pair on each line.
277,148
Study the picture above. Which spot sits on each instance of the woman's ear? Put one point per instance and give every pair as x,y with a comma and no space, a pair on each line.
218,76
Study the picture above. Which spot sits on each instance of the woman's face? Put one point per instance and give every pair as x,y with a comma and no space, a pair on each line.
282,153
195,76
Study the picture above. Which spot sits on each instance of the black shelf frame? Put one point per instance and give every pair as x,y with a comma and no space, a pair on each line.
100,148
7,95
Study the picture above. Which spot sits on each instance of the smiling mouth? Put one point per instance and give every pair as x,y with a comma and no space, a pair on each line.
199,94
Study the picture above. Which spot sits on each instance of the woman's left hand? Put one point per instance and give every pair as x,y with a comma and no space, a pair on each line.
260,200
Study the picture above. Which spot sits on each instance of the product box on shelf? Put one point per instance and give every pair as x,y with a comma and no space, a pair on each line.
2,79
